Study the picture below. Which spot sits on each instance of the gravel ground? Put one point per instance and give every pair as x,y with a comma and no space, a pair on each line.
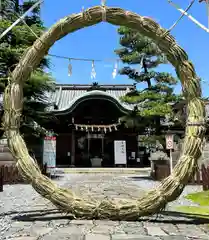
22,217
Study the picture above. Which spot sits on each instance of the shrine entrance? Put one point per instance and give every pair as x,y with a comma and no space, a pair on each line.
90,125
94,150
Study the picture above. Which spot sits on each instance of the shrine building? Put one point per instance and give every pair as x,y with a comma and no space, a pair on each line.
87,126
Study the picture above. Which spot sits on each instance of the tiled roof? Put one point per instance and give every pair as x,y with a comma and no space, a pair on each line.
65,96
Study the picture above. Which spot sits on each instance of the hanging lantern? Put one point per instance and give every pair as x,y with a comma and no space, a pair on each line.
115,70
93,71
69,68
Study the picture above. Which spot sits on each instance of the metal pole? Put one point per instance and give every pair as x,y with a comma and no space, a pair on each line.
207,6
171,161
20,19
1,15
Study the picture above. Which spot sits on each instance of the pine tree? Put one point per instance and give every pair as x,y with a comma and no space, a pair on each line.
12,47
153,101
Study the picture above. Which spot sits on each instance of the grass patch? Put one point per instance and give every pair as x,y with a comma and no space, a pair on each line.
202,212
201,198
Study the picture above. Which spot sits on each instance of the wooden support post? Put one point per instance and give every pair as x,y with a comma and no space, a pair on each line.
1,178
73,149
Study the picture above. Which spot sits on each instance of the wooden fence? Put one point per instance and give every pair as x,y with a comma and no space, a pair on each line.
205,178
201,177
9,175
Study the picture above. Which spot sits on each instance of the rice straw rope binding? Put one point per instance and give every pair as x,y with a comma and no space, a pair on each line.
171,187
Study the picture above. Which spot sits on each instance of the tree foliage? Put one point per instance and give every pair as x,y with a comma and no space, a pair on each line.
154,101
12,47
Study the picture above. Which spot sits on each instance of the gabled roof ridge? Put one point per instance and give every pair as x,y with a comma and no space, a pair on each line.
86,86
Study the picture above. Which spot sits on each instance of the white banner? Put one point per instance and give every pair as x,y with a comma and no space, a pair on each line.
120,152
49,154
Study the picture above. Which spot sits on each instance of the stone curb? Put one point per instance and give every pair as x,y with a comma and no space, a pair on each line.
107,170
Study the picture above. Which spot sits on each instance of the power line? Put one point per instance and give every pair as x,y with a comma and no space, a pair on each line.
21,18
188,15
85,59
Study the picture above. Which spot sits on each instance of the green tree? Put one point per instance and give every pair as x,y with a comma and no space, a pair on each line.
153,101
12,47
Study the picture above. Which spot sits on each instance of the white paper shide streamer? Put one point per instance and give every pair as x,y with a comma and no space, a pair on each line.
70,68
115,70
141,64
140,68
93,71
103,3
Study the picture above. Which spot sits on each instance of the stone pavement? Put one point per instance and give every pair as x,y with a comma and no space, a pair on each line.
24,215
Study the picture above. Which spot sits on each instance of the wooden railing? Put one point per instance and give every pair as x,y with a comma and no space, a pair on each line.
201,177
9,175
205,178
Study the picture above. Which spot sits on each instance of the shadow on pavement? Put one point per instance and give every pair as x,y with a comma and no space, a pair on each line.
55,210
178,218
166,217
141,178
40,216
56,177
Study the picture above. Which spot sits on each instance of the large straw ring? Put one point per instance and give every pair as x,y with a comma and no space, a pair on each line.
170,188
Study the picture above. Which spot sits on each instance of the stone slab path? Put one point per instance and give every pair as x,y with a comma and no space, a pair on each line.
24,215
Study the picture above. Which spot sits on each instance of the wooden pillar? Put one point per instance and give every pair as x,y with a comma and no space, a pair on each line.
103,146
73,148
88,145
1,178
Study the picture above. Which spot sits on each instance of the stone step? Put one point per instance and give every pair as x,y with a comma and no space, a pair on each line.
141,171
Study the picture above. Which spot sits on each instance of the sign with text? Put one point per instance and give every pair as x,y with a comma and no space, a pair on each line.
120,152
169,141
49,154
95,136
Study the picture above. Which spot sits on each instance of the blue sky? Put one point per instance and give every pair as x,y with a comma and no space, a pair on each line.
100,41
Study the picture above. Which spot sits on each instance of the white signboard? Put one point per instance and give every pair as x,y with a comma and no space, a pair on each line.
169,142
120,152
49,154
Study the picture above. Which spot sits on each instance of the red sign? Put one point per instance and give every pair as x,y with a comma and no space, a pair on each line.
50,138
169,142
